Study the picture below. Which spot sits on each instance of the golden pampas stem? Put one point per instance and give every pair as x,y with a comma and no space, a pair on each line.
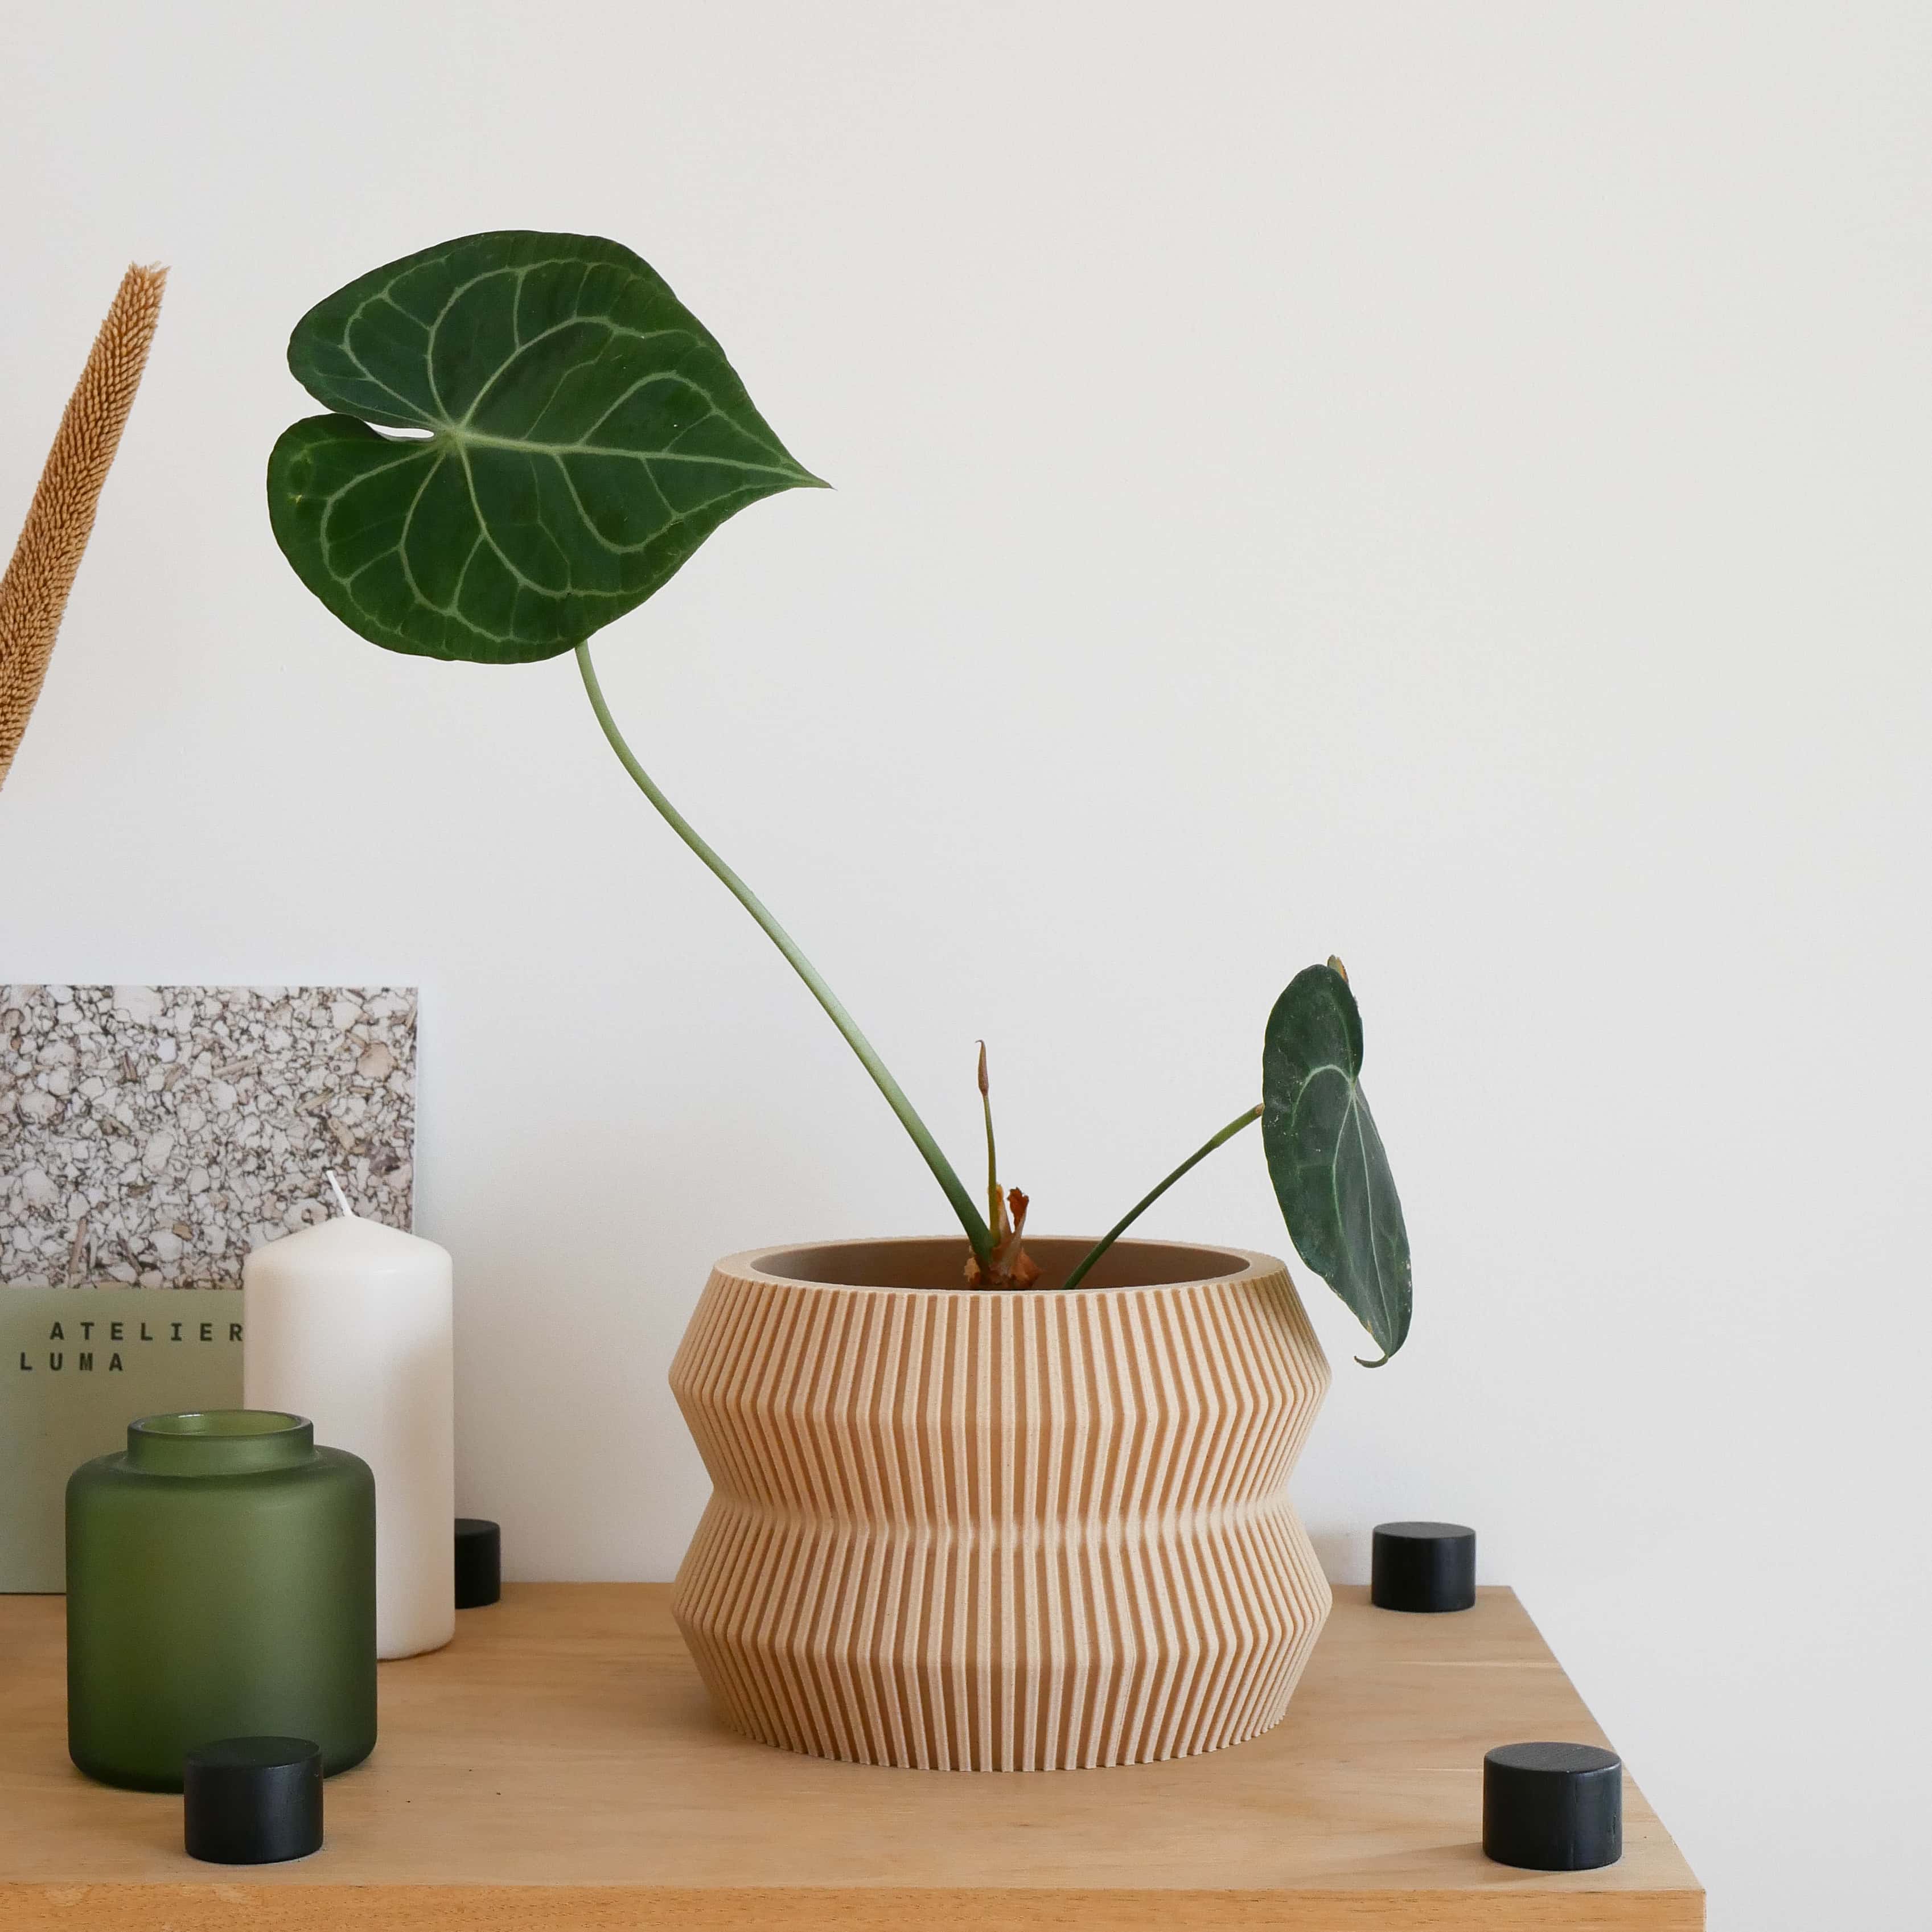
34,592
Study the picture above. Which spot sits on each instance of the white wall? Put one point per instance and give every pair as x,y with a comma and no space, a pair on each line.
1446,485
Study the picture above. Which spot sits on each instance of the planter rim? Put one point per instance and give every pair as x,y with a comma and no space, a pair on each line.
894,1265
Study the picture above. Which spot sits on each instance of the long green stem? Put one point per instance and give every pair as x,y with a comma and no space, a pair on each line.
970,1218
1147,1200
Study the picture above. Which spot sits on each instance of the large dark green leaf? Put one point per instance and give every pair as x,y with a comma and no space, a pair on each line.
585,435
1325,1158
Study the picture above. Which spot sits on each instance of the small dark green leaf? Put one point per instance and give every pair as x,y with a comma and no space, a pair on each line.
585,435
1325,1158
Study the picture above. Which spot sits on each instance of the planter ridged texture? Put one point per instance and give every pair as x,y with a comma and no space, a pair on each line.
980,1531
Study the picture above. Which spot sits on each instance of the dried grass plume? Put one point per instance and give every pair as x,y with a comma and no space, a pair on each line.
34,592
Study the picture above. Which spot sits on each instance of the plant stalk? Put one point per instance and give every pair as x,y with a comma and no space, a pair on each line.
1147,1200
977,1232
994,1197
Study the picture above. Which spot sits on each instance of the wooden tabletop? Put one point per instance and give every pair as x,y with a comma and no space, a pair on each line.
557,1765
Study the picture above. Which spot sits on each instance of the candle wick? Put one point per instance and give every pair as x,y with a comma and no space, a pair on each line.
341,1199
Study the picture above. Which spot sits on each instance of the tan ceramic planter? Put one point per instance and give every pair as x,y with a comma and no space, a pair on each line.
999,1531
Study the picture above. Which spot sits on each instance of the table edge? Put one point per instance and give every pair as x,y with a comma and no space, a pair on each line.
232,1905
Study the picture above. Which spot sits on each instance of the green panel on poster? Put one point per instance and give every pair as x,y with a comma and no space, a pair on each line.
77,1365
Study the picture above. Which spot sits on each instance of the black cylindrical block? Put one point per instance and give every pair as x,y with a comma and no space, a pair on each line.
479,1562
1423,1566
1553,1807
252,1801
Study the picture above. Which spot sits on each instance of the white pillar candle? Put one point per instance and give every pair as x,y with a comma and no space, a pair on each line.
349,1324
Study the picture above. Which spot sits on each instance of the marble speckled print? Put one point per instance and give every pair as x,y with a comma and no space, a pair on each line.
154,1134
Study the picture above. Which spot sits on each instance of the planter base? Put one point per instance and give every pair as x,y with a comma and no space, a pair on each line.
999,1531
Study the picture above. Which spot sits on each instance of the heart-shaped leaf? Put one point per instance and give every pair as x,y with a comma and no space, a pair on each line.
585,435
1325,1158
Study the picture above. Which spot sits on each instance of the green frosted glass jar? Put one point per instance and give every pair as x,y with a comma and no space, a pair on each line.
221,1583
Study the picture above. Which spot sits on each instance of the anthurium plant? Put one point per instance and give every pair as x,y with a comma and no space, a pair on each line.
529,434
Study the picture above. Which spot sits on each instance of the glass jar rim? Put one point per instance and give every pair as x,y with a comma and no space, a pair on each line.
219,1442
226,1423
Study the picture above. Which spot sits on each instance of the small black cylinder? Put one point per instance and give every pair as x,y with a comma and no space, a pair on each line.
479,1562
1553,1807
1423,1566
252,1801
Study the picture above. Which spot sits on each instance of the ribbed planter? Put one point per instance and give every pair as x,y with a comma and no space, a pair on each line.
999,1531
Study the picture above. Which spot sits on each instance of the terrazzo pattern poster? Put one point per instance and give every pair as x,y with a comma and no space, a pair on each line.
150,1136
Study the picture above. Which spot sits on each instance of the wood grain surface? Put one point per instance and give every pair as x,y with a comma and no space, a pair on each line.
559,1765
